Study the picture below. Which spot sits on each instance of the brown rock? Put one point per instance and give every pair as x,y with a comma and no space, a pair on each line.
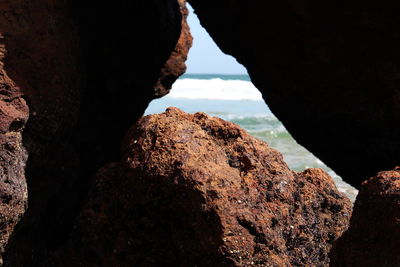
175,65
40,69
13,189
199,191
329,71
87,71
373,238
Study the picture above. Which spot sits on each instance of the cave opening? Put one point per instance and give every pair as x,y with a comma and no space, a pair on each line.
215,83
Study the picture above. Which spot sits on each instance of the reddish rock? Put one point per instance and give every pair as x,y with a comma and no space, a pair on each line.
329,70
373,238
175,65
13,189
193,190
87,71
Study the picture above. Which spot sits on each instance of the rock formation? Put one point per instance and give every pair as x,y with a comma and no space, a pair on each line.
75,75
87,71
13,189
328,70
14,113
175,65
193,190
373,238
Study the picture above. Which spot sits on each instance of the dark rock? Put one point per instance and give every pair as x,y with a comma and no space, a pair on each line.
373,238
87,70
175,65
330,71
13,189
40,67
193,190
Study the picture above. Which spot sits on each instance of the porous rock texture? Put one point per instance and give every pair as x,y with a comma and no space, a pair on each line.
14,113
86,70
193,190
175,65
373,238
329,70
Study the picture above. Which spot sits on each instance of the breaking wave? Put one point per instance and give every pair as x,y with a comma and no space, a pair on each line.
215,89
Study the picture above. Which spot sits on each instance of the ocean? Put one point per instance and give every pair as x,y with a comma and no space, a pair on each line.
234,98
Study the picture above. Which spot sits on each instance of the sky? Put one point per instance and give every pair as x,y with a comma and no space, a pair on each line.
205,56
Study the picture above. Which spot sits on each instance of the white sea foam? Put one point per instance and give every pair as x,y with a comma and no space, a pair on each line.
216,89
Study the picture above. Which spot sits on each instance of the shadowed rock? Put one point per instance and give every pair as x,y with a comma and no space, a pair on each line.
175,65
193,190
87,71
13,189
14,113
373,238
329,70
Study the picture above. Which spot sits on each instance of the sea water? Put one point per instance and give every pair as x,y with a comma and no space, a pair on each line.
234,98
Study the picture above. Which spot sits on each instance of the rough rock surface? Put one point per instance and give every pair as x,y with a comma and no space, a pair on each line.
373,238
193,190
329,70
13,189
86,70
40,71
175,65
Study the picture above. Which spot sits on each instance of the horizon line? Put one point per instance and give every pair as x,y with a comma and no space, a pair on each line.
215,73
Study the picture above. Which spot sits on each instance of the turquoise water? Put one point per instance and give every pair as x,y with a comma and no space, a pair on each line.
234,98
